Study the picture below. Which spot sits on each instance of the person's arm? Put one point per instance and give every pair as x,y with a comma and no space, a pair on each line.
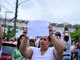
74,50
63,32
58,51
63,45
68,32
26,52
1,36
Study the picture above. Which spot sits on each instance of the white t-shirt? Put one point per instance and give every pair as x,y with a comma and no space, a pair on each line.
48,55
0,53
68,44
72,47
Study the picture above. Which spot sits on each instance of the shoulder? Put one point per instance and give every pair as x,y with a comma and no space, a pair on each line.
34,48
51,48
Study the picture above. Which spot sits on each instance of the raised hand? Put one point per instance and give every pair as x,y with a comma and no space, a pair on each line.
50,30
25,31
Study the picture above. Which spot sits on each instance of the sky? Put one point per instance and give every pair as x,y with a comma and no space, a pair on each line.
57,11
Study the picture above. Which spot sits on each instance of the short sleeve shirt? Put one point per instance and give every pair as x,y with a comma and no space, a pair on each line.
48,55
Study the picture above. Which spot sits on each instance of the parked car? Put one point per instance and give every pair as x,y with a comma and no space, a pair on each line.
7,50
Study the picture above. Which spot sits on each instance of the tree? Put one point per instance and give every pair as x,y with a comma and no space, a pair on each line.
76,34
9,33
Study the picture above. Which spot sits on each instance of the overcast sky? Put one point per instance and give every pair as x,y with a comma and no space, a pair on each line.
57,11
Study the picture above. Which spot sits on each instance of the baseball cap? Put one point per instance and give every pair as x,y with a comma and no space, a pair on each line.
58,34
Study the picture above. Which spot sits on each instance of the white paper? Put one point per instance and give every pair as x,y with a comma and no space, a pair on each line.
38,28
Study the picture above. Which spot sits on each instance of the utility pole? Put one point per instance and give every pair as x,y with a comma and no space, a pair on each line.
6,19
17,4
15,17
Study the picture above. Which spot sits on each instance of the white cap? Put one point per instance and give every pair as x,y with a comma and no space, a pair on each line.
32,38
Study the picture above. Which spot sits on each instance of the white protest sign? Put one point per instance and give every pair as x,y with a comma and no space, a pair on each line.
38,28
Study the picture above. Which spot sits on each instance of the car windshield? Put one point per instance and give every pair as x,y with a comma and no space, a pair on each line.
7,49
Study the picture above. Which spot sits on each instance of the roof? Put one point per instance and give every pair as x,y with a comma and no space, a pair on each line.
66,23
10,42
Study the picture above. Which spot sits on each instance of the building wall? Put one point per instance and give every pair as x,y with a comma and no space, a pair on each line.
21,25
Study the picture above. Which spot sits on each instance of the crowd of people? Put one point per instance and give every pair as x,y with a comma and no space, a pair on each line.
57,46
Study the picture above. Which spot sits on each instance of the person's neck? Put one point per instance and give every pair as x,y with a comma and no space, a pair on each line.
43,49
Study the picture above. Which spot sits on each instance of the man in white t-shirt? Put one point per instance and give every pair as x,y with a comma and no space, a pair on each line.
1,37
66,39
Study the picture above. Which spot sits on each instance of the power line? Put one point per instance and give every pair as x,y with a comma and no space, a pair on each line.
23,2
9,4
4,7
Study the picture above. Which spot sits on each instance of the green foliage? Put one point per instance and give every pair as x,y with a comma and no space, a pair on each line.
9,33
76,34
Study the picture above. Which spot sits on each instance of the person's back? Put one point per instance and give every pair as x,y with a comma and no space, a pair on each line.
48,55
67,41
68,44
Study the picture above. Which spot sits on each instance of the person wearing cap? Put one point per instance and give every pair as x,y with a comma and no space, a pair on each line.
1,38
44,52
58,36
67,41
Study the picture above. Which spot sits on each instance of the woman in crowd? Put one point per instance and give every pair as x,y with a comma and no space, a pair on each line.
32,42
16,54
44,52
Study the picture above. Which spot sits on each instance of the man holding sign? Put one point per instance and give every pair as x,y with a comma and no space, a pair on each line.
44,52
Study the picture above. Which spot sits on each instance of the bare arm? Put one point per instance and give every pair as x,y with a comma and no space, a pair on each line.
26,52
63,45
1,36
68,32
58,51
